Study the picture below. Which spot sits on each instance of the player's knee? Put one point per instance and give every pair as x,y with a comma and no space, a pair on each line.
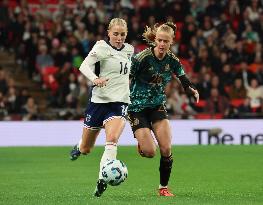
85,150
165,151
150,153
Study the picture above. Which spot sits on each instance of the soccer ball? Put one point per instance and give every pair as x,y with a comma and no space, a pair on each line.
114,172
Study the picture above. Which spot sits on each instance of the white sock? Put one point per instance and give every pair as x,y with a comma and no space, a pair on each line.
80,141
161,187
109,153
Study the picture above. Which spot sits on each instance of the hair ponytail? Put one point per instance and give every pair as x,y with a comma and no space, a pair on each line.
149,34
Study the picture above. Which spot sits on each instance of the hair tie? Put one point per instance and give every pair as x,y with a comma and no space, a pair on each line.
171,25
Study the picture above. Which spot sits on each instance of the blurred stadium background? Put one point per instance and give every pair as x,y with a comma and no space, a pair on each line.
42,44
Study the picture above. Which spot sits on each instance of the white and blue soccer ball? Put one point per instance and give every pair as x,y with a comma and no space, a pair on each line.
114,172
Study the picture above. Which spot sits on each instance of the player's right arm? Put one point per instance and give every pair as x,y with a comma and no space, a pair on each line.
98,52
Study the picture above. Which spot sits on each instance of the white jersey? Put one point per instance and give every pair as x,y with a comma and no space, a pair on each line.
115,65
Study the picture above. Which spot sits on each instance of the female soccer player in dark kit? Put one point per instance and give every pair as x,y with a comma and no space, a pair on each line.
151,70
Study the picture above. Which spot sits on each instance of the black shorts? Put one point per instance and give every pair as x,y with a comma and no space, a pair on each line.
146,117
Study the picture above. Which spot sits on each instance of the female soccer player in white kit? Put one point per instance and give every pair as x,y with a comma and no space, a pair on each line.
110,96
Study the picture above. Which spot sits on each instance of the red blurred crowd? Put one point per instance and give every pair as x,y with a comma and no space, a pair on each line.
218,42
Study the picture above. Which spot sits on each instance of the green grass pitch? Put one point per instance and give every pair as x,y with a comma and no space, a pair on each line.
201,175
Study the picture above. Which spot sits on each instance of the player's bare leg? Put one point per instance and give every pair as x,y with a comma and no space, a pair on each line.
86,143
146,144
113,130
163,135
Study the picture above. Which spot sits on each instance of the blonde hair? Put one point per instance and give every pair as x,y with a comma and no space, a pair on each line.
150,33
119,22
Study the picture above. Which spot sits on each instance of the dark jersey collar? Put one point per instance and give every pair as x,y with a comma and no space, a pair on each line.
118,49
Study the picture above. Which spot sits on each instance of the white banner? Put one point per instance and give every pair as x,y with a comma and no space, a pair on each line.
184,132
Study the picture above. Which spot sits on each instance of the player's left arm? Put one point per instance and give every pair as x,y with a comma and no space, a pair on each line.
189,87
186,83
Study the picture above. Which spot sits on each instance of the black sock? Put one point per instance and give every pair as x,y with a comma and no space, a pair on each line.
165,169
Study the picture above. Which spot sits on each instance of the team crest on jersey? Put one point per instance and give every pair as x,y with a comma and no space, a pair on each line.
167,67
